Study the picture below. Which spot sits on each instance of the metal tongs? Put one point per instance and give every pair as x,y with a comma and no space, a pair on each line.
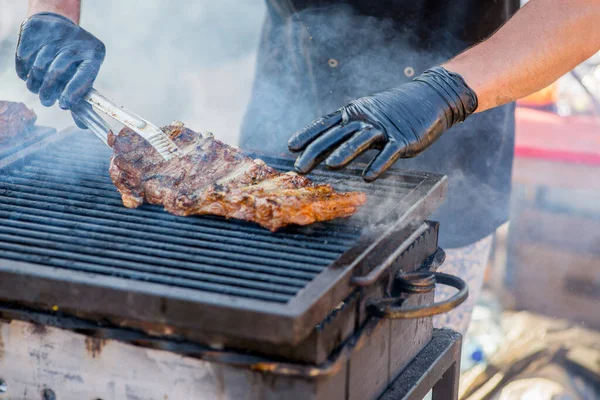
151,133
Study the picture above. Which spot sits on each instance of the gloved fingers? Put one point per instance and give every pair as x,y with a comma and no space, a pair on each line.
321,147
384,160
305,136
80,124
40,67
22,66
59,73
81,82
352,148
26,52
82,108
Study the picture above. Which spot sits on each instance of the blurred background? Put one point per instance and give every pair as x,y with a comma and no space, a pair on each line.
202,74
536,332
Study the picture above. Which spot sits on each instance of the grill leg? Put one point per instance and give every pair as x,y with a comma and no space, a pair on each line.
437,367
447,387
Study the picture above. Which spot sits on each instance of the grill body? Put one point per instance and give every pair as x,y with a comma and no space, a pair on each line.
68,245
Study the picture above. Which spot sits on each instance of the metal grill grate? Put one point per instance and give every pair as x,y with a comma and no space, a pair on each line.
61,214
62,211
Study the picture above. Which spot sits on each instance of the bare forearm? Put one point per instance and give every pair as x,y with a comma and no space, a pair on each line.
68,8
543,41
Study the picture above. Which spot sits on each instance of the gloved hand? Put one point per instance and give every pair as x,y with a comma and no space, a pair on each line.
401,122
58,59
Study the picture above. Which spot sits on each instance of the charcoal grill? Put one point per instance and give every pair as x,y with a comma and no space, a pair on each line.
67,242
72,256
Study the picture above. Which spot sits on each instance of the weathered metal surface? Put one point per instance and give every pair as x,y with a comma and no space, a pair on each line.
436,367
409,337
74,367
36,360
67,242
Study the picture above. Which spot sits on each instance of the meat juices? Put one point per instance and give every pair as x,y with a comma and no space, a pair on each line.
217,179
15,119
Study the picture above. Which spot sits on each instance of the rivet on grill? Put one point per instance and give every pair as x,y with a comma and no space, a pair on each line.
409,72
333,63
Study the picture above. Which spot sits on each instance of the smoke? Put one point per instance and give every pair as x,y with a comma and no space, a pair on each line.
166,60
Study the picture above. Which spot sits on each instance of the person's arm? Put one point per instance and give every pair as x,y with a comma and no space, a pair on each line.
542,42
67,8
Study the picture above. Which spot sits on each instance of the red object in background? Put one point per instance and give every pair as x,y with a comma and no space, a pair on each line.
548,136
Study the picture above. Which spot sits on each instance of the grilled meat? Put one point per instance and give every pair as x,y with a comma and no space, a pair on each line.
15,119
214,178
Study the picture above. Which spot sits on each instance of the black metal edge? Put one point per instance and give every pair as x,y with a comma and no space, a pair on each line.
376,273
334,283
85,295
295,319
440,355
411,259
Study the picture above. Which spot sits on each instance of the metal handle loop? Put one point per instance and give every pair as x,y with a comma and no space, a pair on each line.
384,308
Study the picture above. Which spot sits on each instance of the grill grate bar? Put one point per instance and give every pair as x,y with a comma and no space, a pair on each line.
49,196
101,182
193,242
196,260
161,274
341,184
37,172
73,200
220,256
102,153
337,179
62,215
92,198
54,258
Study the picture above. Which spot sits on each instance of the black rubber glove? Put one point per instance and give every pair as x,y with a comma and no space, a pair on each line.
58,59
401,122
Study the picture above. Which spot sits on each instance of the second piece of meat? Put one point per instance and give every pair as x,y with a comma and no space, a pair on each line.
15,119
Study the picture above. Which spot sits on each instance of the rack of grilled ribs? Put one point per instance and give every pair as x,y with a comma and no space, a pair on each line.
15,119
215,178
